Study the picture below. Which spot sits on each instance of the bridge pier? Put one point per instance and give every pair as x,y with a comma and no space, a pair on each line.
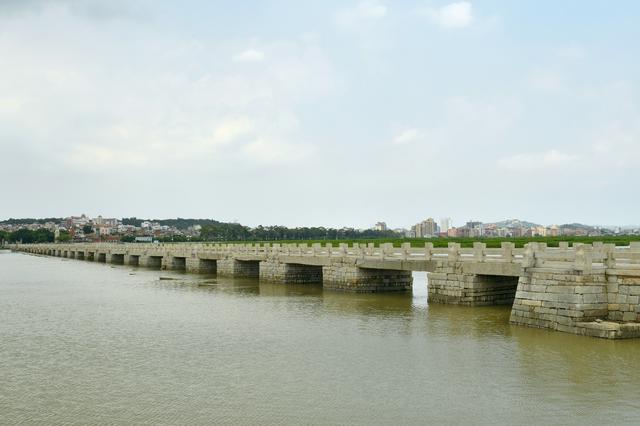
201,266
351,278
451,286
153,262
173,263
238,268
290,273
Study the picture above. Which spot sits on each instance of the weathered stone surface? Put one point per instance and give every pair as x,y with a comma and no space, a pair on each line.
349,278
290,273
238,268
469,289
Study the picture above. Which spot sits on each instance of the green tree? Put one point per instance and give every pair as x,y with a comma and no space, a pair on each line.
64,236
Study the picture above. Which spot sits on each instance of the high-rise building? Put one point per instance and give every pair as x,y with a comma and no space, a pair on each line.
380,226
445,224
427,228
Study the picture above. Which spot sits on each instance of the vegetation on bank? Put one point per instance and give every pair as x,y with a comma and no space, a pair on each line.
28,236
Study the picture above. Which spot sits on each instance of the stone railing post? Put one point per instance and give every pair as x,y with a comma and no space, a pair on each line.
529,256
478,251
584,258
610,260
315,248
428,250
453,254
507,251
406,248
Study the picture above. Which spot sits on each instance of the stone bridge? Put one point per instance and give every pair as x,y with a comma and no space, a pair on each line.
584,289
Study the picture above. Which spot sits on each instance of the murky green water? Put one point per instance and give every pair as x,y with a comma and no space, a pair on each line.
86,343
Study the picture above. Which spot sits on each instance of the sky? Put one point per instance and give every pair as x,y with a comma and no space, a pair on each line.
321,113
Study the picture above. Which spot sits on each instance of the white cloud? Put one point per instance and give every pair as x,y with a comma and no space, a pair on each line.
611,150
453,15
547,81
249,55
551,160
231,130
175,102
363,12
409,136
266,151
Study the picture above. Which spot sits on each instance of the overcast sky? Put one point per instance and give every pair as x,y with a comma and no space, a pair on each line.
321,113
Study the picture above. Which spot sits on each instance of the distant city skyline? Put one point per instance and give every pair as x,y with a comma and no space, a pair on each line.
345,113
430,222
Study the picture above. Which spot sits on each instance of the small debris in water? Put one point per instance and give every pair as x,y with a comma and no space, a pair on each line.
166,279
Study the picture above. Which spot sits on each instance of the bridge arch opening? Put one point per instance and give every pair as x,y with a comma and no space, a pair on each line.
296,273
178,263
471,289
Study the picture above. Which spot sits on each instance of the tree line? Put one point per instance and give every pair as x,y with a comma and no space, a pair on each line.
237,232
27,236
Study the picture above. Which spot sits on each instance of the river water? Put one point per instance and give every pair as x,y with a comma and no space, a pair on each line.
88,343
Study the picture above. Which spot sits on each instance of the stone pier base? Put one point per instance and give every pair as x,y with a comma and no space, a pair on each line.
471,289
201,266
154,262
560,300
351,278
238,268
174,263
290,273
